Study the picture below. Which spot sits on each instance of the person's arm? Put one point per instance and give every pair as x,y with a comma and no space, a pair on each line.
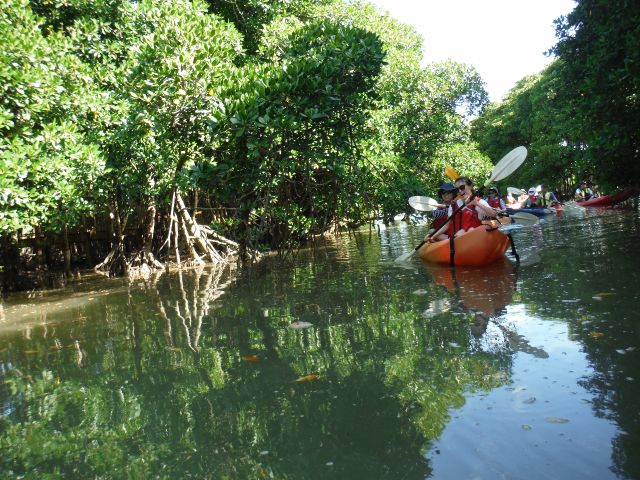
484,208
439,212
502,205
444,227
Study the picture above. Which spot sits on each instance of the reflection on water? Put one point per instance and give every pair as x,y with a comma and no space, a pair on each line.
338,364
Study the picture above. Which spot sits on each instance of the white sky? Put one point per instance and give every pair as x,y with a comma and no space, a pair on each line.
503,39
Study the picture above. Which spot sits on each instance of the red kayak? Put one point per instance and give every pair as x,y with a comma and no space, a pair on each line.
606,200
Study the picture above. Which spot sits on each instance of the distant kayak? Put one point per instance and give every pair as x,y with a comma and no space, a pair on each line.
607,200
480,246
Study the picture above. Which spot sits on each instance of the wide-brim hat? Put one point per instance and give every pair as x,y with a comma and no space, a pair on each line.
446,187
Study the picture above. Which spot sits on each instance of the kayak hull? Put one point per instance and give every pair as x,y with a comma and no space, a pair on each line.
480,246
606,200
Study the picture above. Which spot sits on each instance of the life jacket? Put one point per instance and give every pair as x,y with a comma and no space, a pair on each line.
464,220
544,200
494,202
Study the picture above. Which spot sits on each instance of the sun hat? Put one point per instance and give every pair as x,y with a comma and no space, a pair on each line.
446,187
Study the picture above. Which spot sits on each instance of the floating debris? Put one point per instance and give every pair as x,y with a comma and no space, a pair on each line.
526,427
300,325
307,378
556,420
251,358
529,400
596,334
420,291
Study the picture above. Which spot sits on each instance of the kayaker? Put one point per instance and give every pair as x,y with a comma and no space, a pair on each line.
494,199
474,210
583,192
594,189
546,198
446,193
532,199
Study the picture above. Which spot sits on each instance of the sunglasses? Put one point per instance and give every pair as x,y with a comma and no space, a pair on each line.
462,188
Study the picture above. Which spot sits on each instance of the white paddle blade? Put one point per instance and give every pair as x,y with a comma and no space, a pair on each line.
526,219
423,204
509,163
515,191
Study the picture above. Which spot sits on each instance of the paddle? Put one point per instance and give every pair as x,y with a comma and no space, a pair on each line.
451,173
428,204
523,218
423,204
505,167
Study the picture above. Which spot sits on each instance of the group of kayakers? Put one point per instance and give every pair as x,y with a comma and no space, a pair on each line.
475,211
534,198
586,191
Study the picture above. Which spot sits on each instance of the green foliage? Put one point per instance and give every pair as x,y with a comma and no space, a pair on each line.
291,149
251,16
578,117
296,117
170,89
48,164
600,60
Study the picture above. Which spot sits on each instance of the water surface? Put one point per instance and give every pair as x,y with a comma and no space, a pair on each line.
338,363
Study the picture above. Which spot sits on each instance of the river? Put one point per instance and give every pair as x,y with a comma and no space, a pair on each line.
338,363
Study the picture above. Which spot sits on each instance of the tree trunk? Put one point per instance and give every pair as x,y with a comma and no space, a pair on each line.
67,252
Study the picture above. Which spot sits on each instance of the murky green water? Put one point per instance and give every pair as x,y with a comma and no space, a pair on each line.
507,372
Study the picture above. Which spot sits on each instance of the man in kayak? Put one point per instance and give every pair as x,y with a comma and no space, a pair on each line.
447,193
494,199
545,198
583,192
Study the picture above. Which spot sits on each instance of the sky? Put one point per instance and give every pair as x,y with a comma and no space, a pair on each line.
504,40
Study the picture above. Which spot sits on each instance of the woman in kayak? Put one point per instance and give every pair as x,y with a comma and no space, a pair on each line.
474,210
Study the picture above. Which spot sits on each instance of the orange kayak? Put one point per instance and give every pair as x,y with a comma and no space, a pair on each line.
485,290
476,247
